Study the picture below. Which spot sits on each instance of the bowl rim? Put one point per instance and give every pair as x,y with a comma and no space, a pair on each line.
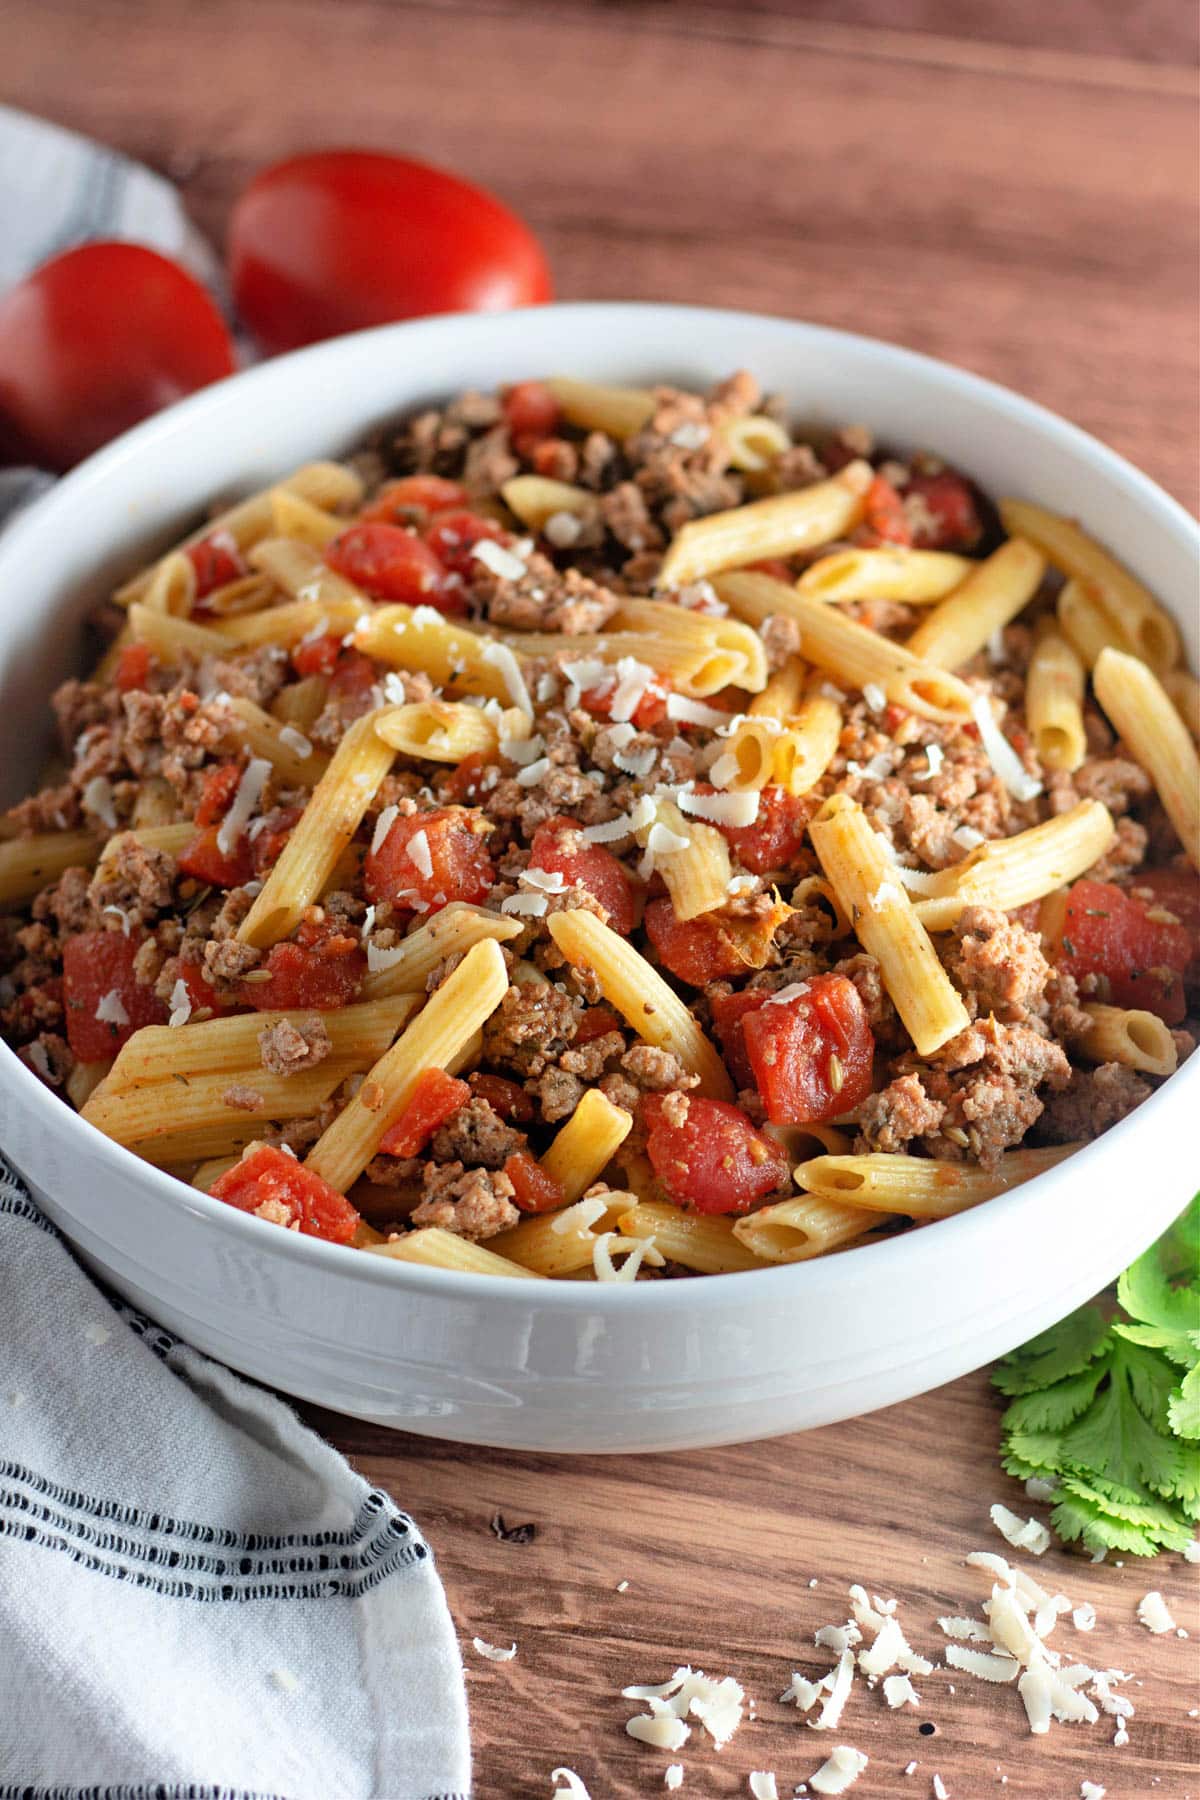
906,1252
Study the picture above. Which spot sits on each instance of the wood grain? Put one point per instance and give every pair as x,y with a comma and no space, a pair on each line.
1009,185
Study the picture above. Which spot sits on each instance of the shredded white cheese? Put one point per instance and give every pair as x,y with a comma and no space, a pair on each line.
419,855
1153,1611
500,561
982,1664
691,435
109,1009
522,751
1084,1617
940,1790
1000,753
547,881
662,841
967,838
637,763
572,1786
1191,1552
724,770
120,913
634,1250
898,1690
1037,1488
531,775
1022,1534
580,1218
830,1715
673,1776
689,1693
533,906
840,1770
296,740
501,657
379,959
1090,1790
763,1785
583,677
874,696
694,712
633,678
785,995
720,809
181,1004
249,792
492,1651
97,798
562,529
886,894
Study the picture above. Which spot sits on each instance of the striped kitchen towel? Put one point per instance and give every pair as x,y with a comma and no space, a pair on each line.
199,1600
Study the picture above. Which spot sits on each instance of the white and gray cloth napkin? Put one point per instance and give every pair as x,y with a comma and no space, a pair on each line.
199,1600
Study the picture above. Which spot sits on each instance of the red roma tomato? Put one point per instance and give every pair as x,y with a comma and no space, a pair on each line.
133,668
216,560
389,563
322,968
352,682
465,782
98,968
1107,931
558,848
715,1162
432,857
595,1022
531,414
274,1186
452,537
316,656
335,240
812,1055
885,520
504,1097
394,503
953,522
436,1097
775,836
204,860
200,991
216,794
536,1191
266,846
1175,890
651,709
729,1021
696,950
94,341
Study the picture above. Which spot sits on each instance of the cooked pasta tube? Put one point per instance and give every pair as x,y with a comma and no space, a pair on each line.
747,757
802,1142
172,587
691,668
597,406
814,890
561,1243
434,1248
805,1226
1184,692
918,1187
201,1143
291,623
211,1170
326,484
231,1097
850,652
292,516
535,498
805,750
1087,625
1156,737
866,883
172,838
781,697
229,1044
248,593
587,1143
639,993
288,751
1135,1039
450,1017
457,927
993,593
301,703
779,526
155,802
1054,686
419,638
325,827
443,731
170,639
752,442
917,577
659,619
699,1241
1070,549
84,1079
29,864
692,858
1009,872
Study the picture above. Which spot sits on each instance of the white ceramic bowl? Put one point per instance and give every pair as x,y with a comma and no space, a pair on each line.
565,1366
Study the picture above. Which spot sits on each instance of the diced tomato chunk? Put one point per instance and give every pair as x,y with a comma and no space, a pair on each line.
885,520
200,990
953,521
412,494
352,681
650,710
547,454
465,782
436,1097
217,791
595,1022
267,845
1107,931
390,563
531,413
1174,890
452,537
505,1097
321,967
317,656
696,950
98,972
716,1161
273,1185
559,849
133,667
729,1021
206,861
428,859
536,1191
812,1056
216,560
776,835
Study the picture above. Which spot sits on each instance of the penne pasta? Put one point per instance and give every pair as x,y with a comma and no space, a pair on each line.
866,883
562,1243
29,864
84,1079
443,731
288,750
986,600
434,1248
587,1143
849,651
333,814
814,890
802,1227
747,758
916,577
640,995
1087,626
779,526
217,1100
620,412
535,498
781,698
292,623
692,668
408,966
1079,556
805,750
658,619
1184,692
699,1241
1135,1039
446,1024
918,1186
170,639
292,516
301,703
695,864
1054,686
1009,872
172,587
208,1171
752,442
1156,737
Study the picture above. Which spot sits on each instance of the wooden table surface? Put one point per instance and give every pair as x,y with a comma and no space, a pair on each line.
1009,184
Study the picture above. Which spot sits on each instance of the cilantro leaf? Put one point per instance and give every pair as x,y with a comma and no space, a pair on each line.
1074,1518
1183,1406
1063,1350
1053,1408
